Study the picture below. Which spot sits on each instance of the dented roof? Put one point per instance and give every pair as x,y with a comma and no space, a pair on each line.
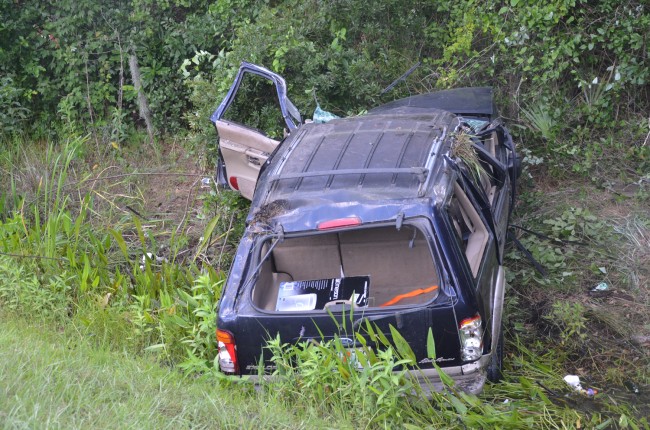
372,153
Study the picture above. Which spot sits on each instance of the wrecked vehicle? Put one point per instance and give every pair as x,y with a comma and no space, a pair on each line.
397,217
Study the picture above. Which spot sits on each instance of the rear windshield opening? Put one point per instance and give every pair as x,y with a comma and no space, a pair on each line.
372,267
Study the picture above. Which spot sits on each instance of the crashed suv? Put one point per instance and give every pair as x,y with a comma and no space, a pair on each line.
397,217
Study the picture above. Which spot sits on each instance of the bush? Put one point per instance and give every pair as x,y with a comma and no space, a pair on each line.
13,113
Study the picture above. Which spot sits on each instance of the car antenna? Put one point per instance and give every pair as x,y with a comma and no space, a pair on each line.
401,78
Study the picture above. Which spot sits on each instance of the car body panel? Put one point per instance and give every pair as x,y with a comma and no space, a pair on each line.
473,101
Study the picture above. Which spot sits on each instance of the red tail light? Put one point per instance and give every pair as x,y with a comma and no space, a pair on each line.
337,223
471,338
227,352
233,183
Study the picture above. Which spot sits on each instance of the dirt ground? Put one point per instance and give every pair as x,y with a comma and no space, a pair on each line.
610,347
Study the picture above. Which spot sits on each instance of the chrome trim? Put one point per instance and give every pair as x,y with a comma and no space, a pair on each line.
497,307
469,378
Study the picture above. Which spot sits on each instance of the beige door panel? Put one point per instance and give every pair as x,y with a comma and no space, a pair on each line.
244,151
478,237
245,136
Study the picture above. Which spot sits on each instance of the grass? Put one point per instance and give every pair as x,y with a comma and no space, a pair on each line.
53,379
64,250
129,343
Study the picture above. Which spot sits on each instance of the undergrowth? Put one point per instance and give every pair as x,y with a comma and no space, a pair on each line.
372,388
63,258
72,258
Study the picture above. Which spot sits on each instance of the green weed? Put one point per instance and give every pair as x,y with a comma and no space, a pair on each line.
560,243
540,120
228,211
570,319
371,387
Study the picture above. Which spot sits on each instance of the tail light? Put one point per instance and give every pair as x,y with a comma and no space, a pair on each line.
233,183
471,338
338,223
227,352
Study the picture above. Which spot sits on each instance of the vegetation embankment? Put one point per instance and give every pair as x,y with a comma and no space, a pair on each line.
81,265
108,233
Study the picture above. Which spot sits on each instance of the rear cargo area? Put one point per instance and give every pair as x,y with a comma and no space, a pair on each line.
398,263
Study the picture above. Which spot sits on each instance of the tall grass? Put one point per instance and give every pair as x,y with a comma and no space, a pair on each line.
371,388
62,260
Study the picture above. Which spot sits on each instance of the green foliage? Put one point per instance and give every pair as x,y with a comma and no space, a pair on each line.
228,210
12,112
200,342
573,235
369,387
577,68
540,120
342,51
71,58
570,319
577,224
370,384
59,261
21,291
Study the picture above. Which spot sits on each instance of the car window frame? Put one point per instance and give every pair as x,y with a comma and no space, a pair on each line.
422,223
290,113
461,182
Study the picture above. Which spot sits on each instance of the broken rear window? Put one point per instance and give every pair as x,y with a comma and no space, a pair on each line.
370,267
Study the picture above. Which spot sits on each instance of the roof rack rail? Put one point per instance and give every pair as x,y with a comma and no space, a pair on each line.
420,172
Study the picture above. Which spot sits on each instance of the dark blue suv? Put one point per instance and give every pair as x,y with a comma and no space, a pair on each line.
397,217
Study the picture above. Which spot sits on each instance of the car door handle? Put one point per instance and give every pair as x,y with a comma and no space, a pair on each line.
255,158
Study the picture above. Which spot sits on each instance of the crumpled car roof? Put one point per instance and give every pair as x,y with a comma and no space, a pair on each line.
371,153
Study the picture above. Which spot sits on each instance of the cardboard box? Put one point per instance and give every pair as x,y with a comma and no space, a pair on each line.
315,294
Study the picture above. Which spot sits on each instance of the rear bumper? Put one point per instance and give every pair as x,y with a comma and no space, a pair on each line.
469,378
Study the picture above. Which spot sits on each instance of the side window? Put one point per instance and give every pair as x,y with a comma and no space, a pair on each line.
487,170
256,106
471,232
487,174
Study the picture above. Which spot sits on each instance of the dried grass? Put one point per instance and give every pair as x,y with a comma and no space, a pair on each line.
635,255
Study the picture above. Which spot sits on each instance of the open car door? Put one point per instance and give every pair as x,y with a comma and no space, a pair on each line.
250,121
